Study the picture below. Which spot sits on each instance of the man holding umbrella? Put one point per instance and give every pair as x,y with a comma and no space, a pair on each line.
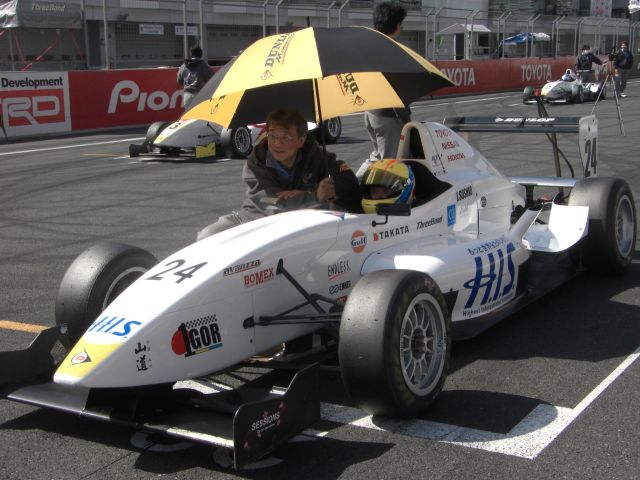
288,172
384,125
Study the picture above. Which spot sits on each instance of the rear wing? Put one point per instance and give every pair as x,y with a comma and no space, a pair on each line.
586,128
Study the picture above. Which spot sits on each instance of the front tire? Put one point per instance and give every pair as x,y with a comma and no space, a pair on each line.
527,95
154,130
94,279
395,342
610,243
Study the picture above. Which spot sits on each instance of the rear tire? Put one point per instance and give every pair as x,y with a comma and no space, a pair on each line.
332,130
610,243
395,342
236,142
94,279
577,94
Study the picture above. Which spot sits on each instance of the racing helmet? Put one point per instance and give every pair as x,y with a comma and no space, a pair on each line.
386,182
566,77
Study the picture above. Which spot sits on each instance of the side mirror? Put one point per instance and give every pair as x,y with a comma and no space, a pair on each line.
394,209
391,210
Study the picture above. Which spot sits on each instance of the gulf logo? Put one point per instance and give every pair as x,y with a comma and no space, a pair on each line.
358,241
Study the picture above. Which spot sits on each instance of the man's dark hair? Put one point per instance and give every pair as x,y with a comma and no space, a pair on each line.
196,51
586,47
387,16
626,44
287,117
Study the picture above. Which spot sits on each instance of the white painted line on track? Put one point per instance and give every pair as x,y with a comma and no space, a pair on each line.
527,439
79,145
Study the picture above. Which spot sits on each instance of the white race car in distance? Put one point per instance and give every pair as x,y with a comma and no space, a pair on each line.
147,342
202,139
568,89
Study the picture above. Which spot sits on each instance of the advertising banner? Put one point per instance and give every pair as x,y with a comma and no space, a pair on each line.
501,75
33,103
116,98
51,102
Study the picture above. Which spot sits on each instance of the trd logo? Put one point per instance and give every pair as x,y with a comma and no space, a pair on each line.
24,109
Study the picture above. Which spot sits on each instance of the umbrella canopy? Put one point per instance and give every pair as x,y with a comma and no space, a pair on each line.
524,37
321,72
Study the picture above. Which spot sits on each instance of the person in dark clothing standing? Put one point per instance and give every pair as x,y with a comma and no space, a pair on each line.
584,64
193,74
622,62
290,171
384,125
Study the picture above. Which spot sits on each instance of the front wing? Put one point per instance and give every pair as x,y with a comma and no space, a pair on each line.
249,418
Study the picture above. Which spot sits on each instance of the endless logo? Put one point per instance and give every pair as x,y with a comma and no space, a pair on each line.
197,336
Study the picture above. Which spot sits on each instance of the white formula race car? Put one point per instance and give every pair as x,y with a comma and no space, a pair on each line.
202,139
147,343
568,89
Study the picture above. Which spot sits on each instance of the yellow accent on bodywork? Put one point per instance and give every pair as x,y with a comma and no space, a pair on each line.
96,354
203,151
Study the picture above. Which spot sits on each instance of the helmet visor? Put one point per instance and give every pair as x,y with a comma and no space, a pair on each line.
378,184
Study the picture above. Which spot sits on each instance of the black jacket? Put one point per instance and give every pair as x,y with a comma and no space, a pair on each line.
263,180
622,59
193,74
585,61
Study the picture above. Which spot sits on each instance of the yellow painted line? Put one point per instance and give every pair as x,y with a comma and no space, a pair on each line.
22,327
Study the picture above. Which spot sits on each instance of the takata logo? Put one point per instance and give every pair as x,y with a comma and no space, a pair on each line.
197,336
358,241
350,88
128,92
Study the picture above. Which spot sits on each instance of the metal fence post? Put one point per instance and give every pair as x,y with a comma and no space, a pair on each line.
329,14
278,15
344,4
264,18
435,30
106,34
426,32
202,37
504,29
184,25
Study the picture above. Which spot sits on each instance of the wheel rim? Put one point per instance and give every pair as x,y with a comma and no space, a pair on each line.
333,128
625,226
242,140
121,283
422,344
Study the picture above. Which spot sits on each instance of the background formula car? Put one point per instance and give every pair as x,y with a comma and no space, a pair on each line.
569,89
147,343
200,139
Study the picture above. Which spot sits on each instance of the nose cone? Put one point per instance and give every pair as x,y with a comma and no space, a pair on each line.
81,361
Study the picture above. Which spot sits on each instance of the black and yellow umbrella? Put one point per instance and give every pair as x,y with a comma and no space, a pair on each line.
321,72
